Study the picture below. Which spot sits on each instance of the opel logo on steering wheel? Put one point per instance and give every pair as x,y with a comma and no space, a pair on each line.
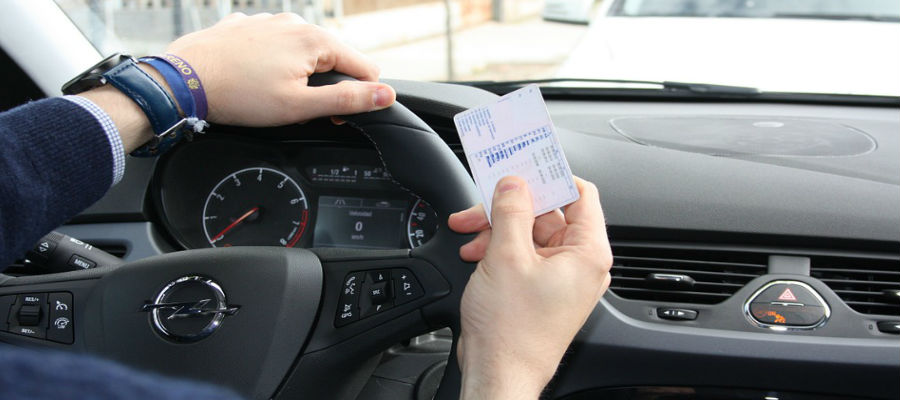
189,309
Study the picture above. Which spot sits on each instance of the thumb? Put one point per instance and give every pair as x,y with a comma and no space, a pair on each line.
512,214
345,98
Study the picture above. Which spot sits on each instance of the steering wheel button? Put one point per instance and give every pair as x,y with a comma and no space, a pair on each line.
347,312
61,318
29,315
352,285
406,286
348,305
378,276
30,331
379,292
375,308
32,299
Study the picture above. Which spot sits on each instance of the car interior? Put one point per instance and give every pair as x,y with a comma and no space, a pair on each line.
755,235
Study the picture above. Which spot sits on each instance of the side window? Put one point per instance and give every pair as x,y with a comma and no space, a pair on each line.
16,87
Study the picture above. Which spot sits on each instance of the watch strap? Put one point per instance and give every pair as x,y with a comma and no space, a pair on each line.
179,87
161,110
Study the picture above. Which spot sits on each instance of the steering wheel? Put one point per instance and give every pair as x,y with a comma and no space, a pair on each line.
276,322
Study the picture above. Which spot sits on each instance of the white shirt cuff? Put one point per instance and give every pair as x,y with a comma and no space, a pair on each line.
115,141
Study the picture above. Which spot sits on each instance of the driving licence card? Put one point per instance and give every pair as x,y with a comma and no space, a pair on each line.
514,136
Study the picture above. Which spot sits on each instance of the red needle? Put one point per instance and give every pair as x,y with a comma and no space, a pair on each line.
235,223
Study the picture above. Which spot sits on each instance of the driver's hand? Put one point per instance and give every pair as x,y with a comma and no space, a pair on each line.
254,71
536,283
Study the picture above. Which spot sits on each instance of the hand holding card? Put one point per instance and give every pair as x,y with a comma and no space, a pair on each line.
515,136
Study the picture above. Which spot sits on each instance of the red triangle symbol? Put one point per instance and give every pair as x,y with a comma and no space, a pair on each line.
787,295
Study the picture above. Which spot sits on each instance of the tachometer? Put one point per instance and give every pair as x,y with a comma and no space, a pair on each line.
255,207
422,223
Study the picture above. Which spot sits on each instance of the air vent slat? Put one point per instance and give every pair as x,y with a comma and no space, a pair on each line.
708,284
696,262
685,271
682,292
858,271
860,281
717,273
859,293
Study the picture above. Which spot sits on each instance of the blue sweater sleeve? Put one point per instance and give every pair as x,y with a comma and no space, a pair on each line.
55,161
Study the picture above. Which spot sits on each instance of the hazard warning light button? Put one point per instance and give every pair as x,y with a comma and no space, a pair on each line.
788,304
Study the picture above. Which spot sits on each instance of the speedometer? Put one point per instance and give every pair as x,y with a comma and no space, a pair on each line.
255,207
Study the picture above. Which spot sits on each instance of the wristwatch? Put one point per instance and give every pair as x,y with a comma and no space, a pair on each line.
122,71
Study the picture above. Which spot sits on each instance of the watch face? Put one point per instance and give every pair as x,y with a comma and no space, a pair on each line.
93,76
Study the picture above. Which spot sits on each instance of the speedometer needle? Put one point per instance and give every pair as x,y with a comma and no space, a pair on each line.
235,223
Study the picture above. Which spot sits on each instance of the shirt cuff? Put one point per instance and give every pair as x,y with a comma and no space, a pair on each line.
109,128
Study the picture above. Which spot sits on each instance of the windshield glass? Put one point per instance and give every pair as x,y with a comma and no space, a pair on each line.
838,9
802,46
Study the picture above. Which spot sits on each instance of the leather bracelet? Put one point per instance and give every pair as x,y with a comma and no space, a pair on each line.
161,110
122,71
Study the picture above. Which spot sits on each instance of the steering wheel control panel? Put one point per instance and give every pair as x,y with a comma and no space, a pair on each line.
46,316
366,293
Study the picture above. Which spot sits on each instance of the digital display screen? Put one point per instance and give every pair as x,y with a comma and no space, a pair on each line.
361,223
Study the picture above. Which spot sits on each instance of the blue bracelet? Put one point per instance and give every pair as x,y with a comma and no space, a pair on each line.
178,86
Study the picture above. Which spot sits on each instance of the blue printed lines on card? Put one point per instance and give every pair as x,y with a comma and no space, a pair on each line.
505,150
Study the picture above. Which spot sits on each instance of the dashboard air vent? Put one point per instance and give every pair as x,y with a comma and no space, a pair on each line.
869,285
682,273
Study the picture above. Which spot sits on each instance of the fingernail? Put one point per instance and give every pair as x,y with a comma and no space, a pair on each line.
382,97
508,187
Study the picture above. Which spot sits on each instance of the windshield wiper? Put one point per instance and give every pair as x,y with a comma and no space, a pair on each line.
669,86
859,17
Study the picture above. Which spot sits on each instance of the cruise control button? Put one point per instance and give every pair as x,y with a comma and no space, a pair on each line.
29,315
28,309
32,299
30,331
61,324
406,286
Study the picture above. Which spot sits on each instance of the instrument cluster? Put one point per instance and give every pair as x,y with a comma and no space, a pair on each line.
233,191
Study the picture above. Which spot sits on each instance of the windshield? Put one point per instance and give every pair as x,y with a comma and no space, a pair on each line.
888,10
800,46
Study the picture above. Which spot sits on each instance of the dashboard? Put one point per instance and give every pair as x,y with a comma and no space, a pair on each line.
730,214
234,191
